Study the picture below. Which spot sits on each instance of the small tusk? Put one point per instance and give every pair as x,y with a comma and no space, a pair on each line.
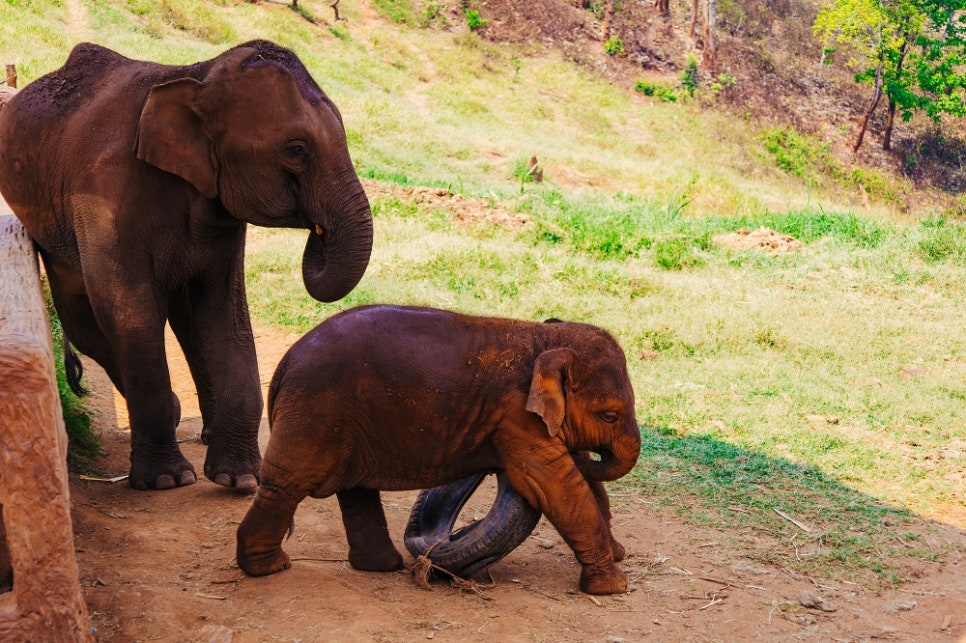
318,229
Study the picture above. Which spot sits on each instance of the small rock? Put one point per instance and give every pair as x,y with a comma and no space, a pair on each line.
902,606
802,619
814,601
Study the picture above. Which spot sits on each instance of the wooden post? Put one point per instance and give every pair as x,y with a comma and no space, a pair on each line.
12,76
46,603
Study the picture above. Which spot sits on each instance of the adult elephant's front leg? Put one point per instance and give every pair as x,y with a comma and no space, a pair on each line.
215,333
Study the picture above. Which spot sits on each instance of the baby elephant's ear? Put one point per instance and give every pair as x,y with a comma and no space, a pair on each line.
171,135
547,398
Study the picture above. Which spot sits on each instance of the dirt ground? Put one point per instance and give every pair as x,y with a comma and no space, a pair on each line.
158,566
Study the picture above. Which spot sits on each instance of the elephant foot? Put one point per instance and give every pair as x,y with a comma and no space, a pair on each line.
263,564
609,581
238,474
158,474
387,561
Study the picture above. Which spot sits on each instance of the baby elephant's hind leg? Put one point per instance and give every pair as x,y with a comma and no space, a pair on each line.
370,547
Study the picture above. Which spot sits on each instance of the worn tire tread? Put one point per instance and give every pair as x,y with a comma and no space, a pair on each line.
478,545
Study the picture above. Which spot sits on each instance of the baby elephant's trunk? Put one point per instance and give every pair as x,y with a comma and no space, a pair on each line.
614,462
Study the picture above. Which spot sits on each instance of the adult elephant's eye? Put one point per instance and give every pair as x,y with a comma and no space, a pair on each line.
299,149
608,416
296,156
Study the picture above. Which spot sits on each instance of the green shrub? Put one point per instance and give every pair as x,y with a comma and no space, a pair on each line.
676,253
614,46
942,241
690,78
797,154
657,90
473,19
431,14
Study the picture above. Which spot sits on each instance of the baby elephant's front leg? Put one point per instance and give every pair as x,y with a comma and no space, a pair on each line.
603,502
572,508
370,547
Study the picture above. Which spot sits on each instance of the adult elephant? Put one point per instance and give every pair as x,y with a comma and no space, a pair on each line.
136,181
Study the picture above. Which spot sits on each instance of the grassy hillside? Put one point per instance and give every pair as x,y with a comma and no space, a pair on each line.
828,383
443,106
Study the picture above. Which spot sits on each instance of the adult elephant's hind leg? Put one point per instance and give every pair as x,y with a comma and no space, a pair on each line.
370,547
135,362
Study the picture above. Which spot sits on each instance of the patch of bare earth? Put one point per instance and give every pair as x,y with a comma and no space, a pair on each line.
160,566
763,239
460,208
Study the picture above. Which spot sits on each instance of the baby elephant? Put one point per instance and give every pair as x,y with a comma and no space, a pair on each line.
386,397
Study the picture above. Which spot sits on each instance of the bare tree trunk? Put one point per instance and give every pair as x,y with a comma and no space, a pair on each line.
608,14
864,123
890,121
12,76
710,52
663,7
693,26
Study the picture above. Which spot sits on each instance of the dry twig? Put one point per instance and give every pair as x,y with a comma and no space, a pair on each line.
784,515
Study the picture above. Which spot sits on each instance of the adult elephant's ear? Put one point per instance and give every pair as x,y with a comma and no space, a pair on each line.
547,398
171,135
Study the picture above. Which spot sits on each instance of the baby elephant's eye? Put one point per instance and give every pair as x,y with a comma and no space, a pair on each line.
608,416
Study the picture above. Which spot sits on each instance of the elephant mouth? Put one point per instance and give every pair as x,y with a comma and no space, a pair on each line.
318,230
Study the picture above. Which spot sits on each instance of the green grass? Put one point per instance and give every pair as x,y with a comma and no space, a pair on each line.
83,441
829,384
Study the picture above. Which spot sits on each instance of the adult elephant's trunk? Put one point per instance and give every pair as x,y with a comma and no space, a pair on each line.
615,461
337,251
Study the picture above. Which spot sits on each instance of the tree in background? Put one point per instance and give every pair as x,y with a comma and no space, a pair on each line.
911,51
705,14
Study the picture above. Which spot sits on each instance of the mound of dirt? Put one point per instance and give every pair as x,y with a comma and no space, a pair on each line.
460,208
764,239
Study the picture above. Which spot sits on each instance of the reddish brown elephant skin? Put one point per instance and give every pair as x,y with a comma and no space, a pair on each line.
136,181
398,398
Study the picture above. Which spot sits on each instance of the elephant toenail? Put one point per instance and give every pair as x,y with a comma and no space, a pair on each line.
246,482
223,479
164,482
187,477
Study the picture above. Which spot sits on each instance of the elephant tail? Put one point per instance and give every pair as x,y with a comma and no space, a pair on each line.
273,389
73,369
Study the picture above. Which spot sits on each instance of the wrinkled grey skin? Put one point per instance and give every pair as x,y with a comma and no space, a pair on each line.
136,181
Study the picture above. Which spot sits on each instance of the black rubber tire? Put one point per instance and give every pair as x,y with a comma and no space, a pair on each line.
477,545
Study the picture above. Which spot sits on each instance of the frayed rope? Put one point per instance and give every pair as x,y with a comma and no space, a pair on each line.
423,568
